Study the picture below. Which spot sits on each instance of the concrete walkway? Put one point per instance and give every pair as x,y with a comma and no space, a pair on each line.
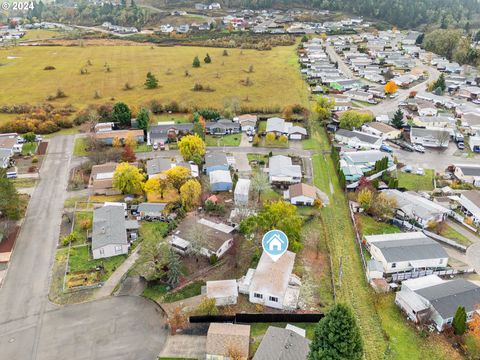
114,279
185,346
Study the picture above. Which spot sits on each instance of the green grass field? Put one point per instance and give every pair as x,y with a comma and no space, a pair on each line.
416,182
24,75
370,226
226,140
81,260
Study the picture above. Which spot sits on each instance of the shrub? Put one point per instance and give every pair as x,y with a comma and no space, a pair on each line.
172,106
86,224
70,238
47,127
34,160
270,137
155,107
213,259
64,123
29,137
49,67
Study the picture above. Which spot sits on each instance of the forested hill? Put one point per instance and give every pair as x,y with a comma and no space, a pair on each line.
402,13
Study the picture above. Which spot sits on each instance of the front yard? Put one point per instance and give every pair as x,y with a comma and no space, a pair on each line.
29,148
225,140
80,147
416,182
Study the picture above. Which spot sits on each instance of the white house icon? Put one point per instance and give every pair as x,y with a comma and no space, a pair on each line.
275,243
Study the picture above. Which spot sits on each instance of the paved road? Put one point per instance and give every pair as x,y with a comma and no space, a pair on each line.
33,328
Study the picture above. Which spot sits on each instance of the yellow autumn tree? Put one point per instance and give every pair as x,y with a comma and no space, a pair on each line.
131,141
177,176
270,137
390,87
190,194
116,142
157,185
192,148
128,179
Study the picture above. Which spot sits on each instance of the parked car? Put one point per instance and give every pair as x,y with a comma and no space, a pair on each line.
420,171
406,146
393,96
461,145
38,138
155,146
250,139
419,148
162,145
20,140
386,148
407,169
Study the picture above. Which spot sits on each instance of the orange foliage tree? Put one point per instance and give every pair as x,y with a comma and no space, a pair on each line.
390,87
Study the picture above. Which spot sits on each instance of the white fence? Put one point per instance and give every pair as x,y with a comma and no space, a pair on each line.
397,277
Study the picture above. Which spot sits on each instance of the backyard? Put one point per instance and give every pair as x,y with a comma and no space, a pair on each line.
411,181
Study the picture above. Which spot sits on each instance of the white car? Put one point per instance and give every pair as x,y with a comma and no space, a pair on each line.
155,146
420,171
419,148
250,139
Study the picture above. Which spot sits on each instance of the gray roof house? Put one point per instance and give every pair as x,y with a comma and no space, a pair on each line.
430,137
148,209
358,139
109,232
215,160
158,165
282,171
411,206
406,251
282,344
469,173
431,299
163,132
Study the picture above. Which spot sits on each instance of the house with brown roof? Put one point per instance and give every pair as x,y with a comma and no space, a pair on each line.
382,130
225,339
301,194
247,122
122,135
101,178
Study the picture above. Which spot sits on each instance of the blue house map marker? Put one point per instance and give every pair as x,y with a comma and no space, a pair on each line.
275,244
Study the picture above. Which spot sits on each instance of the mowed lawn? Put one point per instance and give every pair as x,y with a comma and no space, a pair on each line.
416,182
275,79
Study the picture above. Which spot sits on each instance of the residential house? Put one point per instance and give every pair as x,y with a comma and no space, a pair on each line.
247,122
469,92
215,161
101,178
356,164
358,139
156,166
222,127
5,155
281,171
412,207
431,299
359,95
279,127
220,180
406,251
166,131
430,137
301,194
9,142
216,238
380,129
225,292
151,210
438,121
110,232
224,337
469,173
107,137
242,192
272,283
474,143
470,205
282,344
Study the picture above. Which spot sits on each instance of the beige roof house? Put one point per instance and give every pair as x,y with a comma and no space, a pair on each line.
101,178
222,338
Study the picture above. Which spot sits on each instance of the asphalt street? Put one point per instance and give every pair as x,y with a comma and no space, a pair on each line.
33,328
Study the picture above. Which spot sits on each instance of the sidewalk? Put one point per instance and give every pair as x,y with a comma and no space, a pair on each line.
114,279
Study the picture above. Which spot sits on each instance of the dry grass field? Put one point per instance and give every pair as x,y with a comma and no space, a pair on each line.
275,79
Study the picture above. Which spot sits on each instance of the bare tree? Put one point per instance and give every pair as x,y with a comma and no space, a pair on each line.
443,137
260,183
199,238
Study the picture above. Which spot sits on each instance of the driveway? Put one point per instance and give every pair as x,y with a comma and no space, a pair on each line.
241,163
434,158
33,328
185,346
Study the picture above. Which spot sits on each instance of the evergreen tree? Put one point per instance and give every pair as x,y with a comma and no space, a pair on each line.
440,83
143,119
304,38
174,268
397,120
199,129
207,59
337,336
151,82
196,62
121,113
460,321
9,199
225,52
